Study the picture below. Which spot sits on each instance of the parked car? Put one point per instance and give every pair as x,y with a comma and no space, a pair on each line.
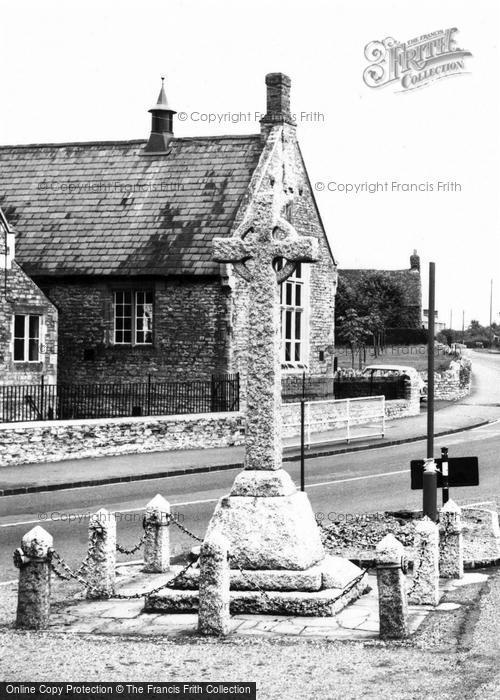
378,371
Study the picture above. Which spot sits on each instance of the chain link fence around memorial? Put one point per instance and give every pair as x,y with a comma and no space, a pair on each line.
152,398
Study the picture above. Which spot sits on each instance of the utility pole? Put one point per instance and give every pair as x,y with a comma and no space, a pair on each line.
491,314
430,361
463,326
429,493
451,319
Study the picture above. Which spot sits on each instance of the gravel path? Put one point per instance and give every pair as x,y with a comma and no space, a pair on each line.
448,658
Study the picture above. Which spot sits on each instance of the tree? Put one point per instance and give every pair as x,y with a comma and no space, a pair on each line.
352,330
374,295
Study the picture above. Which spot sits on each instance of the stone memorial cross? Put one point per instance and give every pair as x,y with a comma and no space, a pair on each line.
259,242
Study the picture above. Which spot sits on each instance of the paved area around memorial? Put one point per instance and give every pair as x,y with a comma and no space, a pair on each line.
357,622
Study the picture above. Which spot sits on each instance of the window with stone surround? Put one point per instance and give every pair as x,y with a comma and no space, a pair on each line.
133,317
26,338
294,295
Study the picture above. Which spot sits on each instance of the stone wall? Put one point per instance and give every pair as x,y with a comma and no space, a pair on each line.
24,297
189,331
24,443
44,441
454,383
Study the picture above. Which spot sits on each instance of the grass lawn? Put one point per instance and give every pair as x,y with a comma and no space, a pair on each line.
407,355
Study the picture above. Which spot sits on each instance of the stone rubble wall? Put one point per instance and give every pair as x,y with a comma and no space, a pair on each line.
454,383
24,443
53,441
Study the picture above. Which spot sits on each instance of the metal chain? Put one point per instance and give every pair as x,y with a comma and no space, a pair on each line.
352,584
169,584
133,550
184,529
346,589
417,571
54,555
255,586
59,575
90,553
71,574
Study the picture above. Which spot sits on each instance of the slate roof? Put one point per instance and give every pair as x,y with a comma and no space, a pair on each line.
127,213
410,280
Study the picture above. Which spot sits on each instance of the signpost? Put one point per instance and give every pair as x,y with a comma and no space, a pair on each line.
444,474
462,471
429,485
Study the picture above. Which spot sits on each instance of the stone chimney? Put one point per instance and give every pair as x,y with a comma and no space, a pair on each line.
278,102
415,261
161,124
7,243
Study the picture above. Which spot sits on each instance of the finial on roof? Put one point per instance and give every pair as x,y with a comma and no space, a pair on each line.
161,123
162,102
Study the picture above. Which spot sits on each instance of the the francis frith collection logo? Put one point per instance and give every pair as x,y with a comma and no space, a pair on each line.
414,63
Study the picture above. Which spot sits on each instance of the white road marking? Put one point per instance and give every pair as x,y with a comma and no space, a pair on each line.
79,516
322,483
357,478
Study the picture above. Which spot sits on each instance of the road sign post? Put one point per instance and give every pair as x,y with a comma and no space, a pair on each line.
430,361
445,475
429,495
430,490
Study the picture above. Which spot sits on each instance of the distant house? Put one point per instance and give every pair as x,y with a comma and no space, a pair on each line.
28,321
119,236
410,281
438,325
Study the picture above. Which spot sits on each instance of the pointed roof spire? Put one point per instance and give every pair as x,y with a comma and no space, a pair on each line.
162,102
161,123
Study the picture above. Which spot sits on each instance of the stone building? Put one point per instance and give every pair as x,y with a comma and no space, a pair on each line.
119,237
409,280
28,321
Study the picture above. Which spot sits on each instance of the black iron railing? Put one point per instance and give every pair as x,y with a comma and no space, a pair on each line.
152,398
317,388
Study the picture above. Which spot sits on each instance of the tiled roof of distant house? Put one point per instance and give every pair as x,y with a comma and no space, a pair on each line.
110,208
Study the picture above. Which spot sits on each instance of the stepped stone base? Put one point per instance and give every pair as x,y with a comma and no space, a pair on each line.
315,591
323,603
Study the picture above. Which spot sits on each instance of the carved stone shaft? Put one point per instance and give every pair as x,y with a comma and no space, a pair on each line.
213,615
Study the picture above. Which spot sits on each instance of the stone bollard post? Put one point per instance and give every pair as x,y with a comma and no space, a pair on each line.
451,548
33,561
213,614
391,580
425,584
102,555
157,536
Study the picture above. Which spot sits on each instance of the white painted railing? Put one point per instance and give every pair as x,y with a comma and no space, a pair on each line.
342,420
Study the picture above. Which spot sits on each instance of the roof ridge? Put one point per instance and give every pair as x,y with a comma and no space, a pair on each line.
125,141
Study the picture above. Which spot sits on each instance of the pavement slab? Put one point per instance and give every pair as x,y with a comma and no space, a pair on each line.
358,621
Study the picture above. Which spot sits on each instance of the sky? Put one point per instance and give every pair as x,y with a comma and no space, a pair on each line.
84,71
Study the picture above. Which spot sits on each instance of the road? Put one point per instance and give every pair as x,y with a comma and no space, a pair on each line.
360,482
